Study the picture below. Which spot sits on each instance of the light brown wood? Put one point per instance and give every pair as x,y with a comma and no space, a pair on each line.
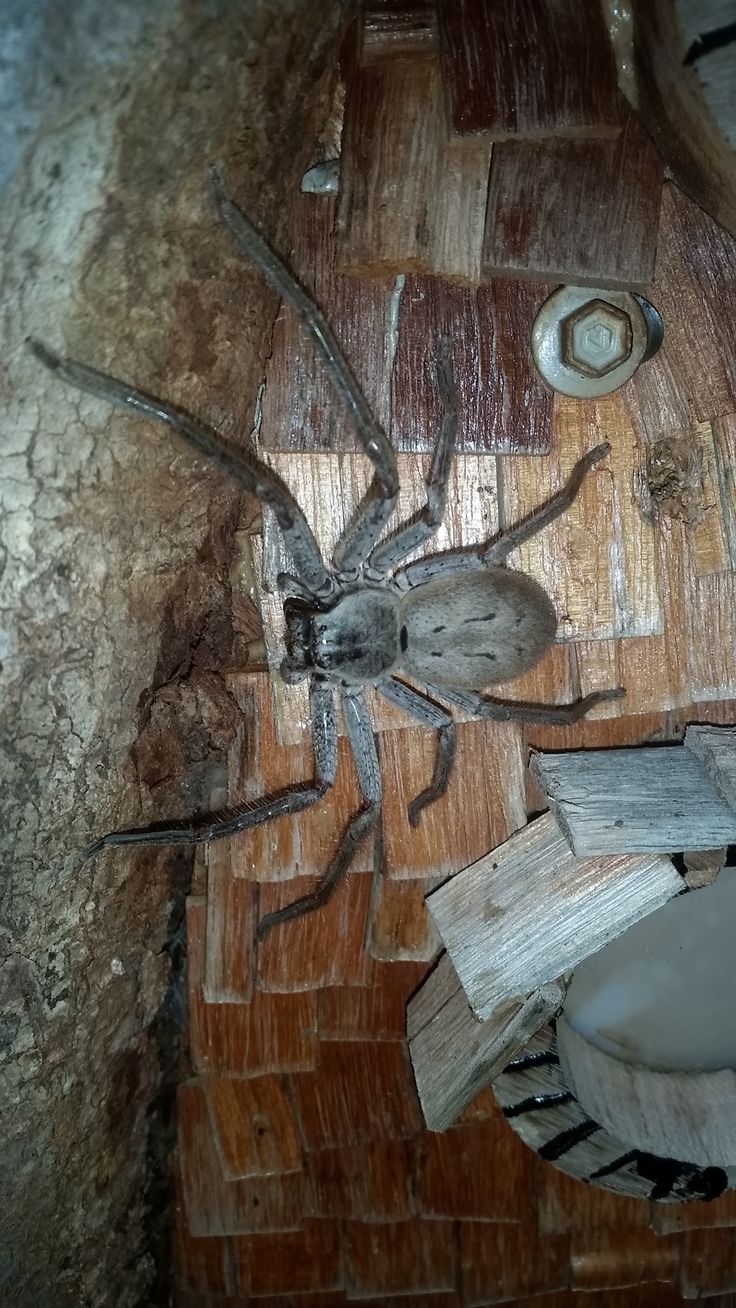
324,948
253,1124
582,213
400,927
530,910
231,925
634,801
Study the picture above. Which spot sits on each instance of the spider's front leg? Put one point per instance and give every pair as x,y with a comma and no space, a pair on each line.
360,735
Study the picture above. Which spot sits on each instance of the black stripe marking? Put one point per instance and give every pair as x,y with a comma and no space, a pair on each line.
480,654
615,1166
487,617
545,1058
436,630
707,42
566,1140
537,1102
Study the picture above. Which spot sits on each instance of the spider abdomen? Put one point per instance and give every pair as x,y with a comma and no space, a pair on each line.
472,630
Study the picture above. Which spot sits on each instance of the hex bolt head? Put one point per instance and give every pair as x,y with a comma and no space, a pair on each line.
596,338
587,342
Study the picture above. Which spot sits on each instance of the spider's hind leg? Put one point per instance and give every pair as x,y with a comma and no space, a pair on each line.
431,715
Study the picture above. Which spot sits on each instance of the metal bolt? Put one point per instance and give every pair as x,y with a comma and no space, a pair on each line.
589,342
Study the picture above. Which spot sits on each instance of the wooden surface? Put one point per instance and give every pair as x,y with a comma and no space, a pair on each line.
303,1036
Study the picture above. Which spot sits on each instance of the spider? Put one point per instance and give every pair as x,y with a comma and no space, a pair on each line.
454,622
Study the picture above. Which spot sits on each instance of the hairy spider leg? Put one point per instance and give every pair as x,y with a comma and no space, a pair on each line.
216,826
431,715
239,464
363,745
423,524
502,710
376,507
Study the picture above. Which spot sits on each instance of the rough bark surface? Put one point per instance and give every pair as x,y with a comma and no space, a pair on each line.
116,551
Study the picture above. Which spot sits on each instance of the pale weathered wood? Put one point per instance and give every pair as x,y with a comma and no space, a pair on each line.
583,213
628,801
530,910
453,1054
690,1116
703,866
716,749
514,69
598,561
393,29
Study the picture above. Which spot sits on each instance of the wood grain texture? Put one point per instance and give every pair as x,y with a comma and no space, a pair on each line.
406,185
688,1115
566,1205
634,801
254,1125
598,561
375,1012
607,235
452,1182
695,1216
506,1260
217,1206
503,405
392,29
715,747
231,927
271,1033
325,948
708,1264
361,1092
368,1182
455,1056
298,1262
490,915
399,1257
400,927
514,69
613,1258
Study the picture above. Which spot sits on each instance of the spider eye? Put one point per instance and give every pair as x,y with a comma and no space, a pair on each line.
403,639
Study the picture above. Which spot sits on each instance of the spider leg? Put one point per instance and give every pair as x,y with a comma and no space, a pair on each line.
497,553
424,710
360,735
423,525
215,826
239,464
502,710
378,505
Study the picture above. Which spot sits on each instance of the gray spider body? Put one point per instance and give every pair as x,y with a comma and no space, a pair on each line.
454,622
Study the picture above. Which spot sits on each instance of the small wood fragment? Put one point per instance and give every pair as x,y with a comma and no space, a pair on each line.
530,910
634,801
586,213
514,69
453,1054
703,866
716,749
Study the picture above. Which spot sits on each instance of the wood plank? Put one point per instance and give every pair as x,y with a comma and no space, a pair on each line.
514,69
609,1259
605,237
708,1264
455,1056
396,29
253,1125
360,1092
217,1206
231,927
368,1182
482,805
324,948
298,1262
489,915
567,1205
400,927
505,1260
452,1180
697,1215
503,405
634,801
397,208
715,747
598,561
695,292
724,451
400,1257
375,1012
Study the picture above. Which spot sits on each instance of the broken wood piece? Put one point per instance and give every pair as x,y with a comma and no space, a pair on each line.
687,1116
634,801
530,910
586,213
715,747
515,69
453,1054
703,866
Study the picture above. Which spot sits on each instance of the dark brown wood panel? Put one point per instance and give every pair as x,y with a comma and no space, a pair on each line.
532,70
580,212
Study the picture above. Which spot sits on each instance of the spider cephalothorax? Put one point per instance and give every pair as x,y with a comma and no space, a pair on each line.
454,623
